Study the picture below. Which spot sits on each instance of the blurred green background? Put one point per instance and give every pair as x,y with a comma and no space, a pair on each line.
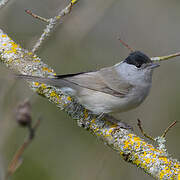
86,40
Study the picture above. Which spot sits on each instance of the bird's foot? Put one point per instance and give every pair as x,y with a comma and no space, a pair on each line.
124,126
116,122
101,116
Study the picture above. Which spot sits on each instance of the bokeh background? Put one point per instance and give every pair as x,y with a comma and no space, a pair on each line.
86,40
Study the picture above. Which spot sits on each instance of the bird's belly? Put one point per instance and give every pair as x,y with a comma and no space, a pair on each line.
99,102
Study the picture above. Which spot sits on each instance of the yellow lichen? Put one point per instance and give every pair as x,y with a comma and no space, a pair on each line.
110,131
179,176
46,69
166,171
69,98
7,52
164,159
154,155
38,61
93,121
43,86
58,17
137,162
144,165
177,166
121,153
161,174
85,113
131,142
73,1
36,83
53,94
96,130
136,139
138,145
145,153
29,53
14,47
126,144
147,160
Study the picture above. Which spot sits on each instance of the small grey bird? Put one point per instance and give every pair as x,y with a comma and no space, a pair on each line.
114,89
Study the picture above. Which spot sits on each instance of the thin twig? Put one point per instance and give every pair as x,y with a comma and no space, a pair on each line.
36,16
163,58
126,45
168,128
17,160
143,132
52,22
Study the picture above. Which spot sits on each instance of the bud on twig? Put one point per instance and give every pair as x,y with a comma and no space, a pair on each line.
23,114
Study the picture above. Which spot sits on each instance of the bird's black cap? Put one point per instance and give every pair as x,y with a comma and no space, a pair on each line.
137,58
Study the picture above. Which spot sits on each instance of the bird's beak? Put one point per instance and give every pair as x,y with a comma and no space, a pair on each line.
153,65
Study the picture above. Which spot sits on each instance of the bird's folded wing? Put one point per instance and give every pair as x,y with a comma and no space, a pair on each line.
106,80
102,81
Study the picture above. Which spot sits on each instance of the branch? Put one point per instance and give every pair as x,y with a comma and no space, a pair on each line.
23,117
131,147
17,158
51,23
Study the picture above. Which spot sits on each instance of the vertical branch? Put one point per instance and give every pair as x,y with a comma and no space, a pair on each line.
24,119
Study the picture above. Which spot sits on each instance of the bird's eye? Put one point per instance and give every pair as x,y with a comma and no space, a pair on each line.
138,65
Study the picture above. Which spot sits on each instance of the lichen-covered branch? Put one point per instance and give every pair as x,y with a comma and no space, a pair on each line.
132,148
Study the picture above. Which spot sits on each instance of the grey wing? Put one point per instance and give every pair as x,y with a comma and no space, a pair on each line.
114,81
106,80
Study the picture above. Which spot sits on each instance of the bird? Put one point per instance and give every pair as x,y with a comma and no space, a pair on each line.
115,89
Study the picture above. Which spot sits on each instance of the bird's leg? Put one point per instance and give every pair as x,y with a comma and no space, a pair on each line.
119,124
101,116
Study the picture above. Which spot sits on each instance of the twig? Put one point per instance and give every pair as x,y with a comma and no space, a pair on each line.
52,22
126,45
168,128
143,132
17,158
163,58
160,140
36,16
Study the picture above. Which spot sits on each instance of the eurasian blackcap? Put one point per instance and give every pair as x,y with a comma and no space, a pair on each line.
114,89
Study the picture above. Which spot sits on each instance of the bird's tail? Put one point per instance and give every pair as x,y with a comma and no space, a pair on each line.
50,81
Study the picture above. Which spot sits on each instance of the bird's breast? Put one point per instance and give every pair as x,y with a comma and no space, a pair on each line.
138,94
